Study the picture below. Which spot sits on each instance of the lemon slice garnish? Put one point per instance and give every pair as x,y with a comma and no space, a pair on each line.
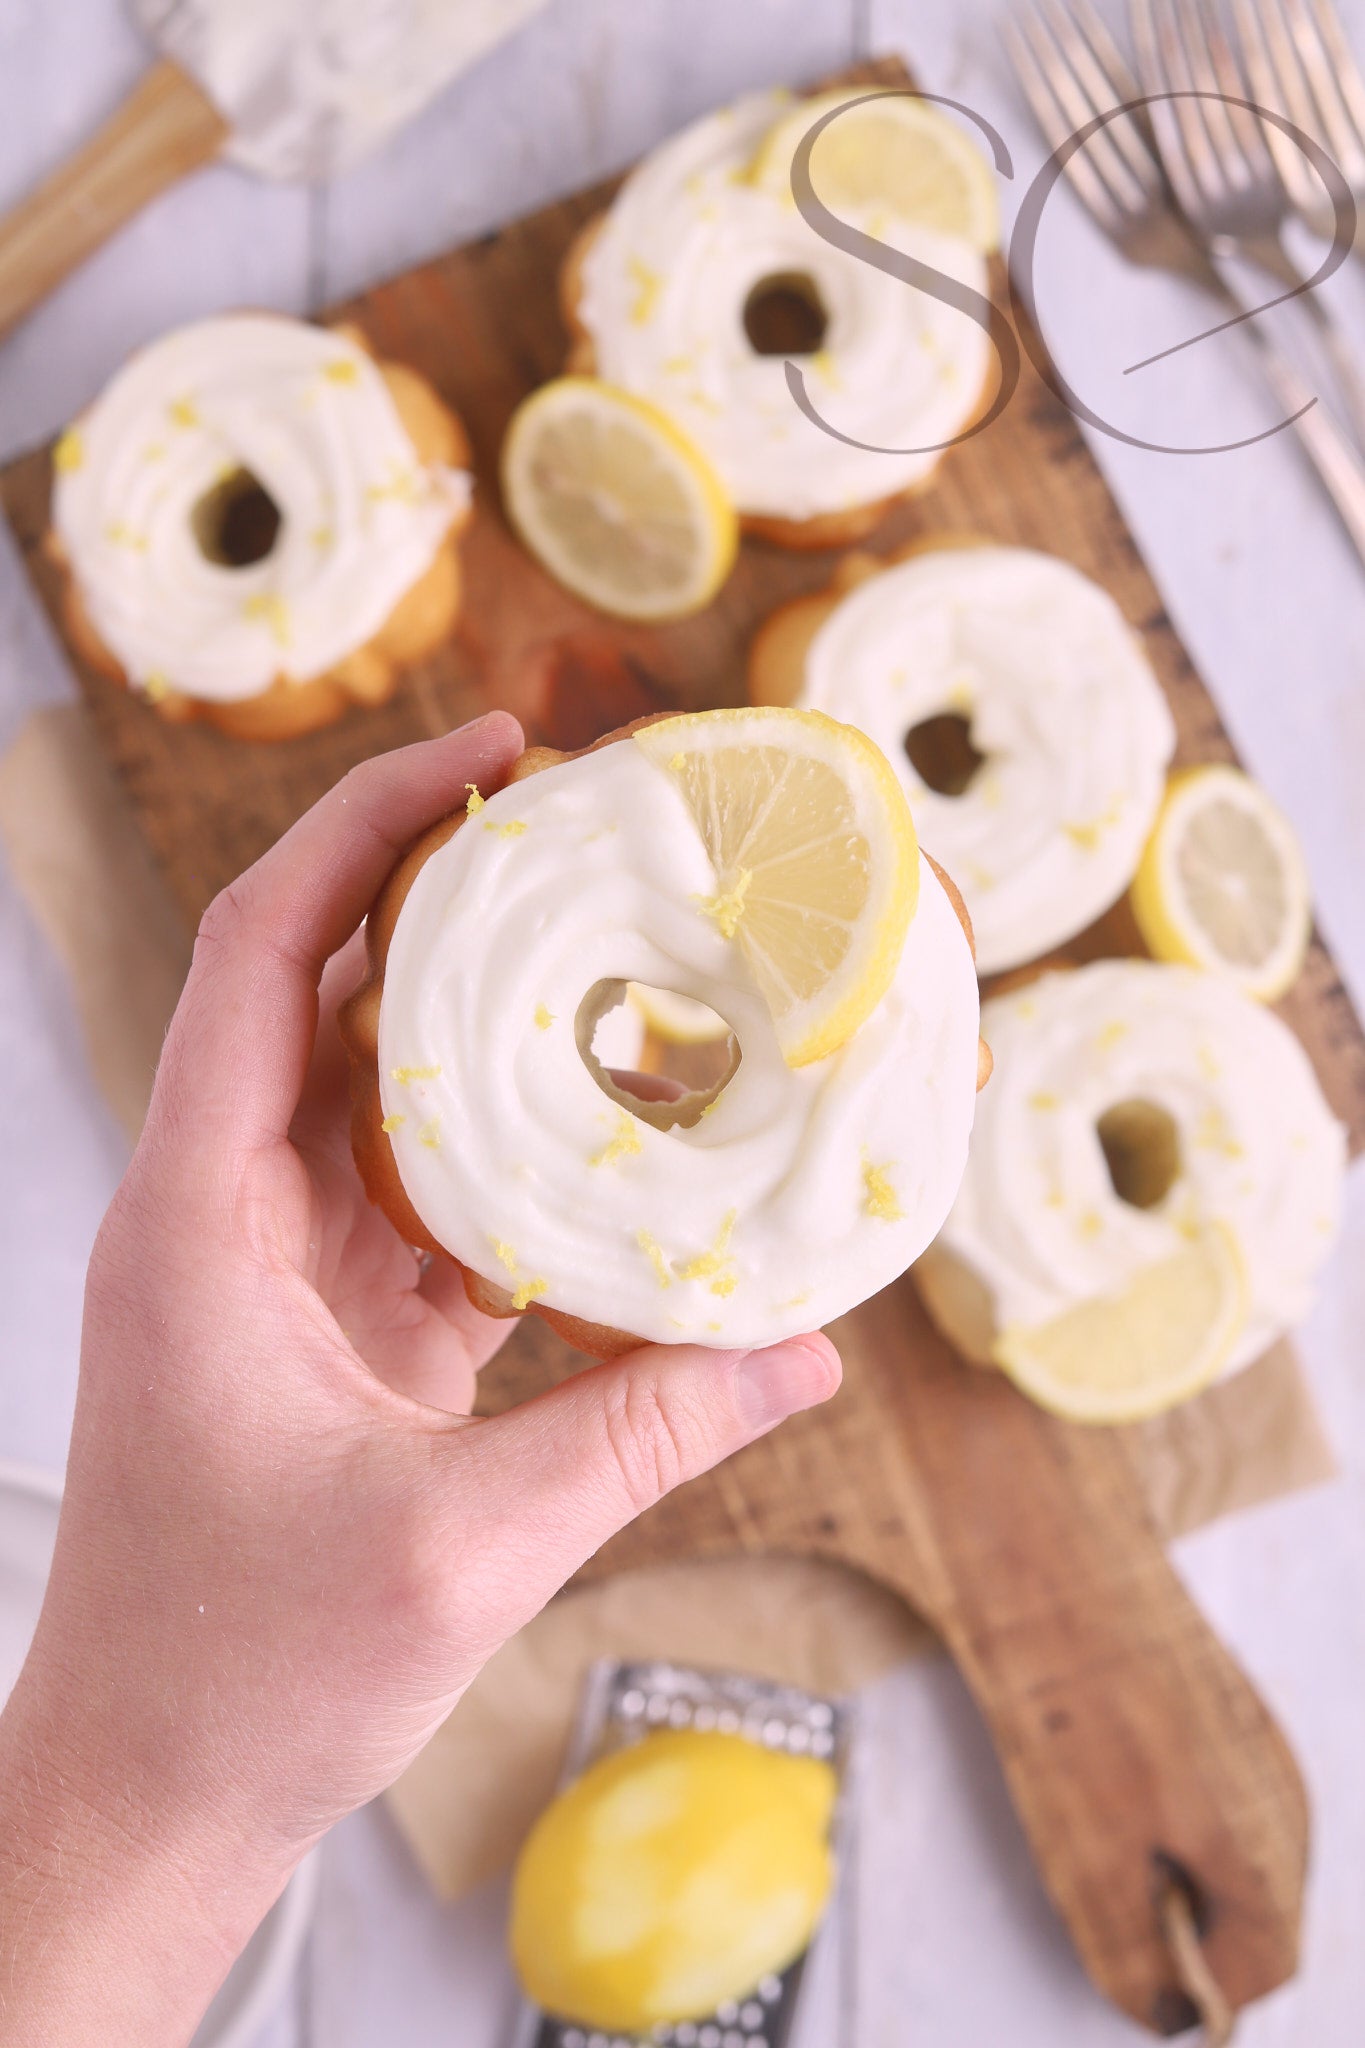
615,501
816,860
898,154
671,1877
1222,883
1121,1356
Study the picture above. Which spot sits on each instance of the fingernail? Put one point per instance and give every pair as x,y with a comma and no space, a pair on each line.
477,726
773,1384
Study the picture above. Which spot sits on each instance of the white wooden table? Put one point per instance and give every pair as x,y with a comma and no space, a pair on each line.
958,1946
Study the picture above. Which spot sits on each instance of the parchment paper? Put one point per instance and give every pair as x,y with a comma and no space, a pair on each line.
75,851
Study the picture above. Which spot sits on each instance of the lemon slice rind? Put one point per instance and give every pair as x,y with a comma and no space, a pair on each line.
815,854
1124,1356
1221,853
616,502
898,154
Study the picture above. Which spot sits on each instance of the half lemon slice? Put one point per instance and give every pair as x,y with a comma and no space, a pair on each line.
1122,1356
615,501
898,154
1222,883
815,855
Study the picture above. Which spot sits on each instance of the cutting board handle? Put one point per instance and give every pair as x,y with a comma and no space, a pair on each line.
165,129
1143,1764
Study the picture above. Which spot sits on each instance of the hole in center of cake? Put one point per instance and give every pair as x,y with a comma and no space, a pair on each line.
784,315
237,522
942,754
663,1056
1141,1147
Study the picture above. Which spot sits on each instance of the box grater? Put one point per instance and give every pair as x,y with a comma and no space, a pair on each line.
622,1703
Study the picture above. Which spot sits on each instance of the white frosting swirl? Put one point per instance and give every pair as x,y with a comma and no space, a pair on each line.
1037,1217
307,414
797,1195
665,286
1059,698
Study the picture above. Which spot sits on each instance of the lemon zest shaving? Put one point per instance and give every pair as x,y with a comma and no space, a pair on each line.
726,1284
271,609
707,1263
183,412
322,536
69,452
473,801
430,1134
654,1252
880,1199
1211,1134
513,828
342,370
625,1140
402,486
156,687
124,536
504,1254
727,909
391,1123
1044,1099
405,1075
1090,1223
527,1293
544,1018
1113,1034
648,284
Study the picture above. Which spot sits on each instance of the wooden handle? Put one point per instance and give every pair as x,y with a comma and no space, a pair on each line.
164,129
1137,1753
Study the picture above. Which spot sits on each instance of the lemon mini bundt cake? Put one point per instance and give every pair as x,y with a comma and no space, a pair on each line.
1018,709
258,524
1144,1120
691,292
762,863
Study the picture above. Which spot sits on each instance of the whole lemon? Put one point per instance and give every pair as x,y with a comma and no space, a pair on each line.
670,1877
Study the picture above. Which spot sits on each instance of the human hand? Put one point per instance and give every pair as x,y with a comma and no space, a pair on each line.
283,1554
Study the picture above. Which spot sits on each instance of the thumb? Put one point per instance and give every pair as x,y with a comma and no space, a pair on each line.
571,1468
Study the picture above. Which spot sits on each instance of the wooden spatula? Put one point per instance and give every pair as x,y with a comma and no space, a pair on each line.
165,129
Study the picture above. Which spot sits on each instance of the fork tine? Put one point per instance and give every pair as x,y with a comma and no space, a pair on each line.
1103,76
1331,71
1277,82
1127,188
1034,74
1190,27
1230,79
1225,168
1182,139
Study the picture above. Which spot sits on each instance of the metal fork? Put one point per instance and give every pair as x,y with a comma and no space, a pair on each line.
1219,164
1071,71
1299,63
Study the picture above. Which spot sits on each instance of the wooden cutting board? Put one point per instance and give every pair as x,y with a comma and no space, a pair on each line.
1131,1741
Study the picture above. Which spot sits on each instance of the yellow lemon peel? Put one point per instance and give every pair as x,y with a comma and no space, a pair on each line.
69,452
727,909
880,1198
624,1141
